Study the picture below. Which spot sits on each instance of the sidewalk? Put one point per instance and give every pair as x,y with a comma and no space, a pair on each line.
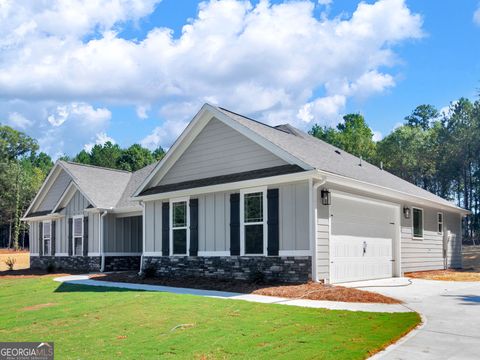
331,305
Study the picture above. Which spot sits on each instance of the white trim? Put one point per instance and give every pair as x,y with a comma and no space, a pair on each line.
44,185
93,254
413,223
43,217
127,214
49,238
213,253
369,200
272,180
73,234
128,211
196,125
61,255
295,253
243,192
123,253
78,187
34,254
441,222
152,253
186,200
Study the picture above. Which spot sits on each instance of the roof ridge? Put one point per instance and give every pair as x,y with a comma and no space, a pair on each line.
97,167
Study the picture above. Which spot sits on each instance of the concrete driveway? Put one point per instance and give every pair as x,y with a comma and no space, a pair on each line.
452,313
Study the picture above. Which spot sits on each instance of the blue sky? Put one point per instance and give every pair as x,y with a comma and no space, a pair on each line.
135,73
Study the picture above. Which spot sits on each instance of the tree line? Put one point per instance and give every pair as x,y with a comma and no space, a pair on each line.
439,152
23,169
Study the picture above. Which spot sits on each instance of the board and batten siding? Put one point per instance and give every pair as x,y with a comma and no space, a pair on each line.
219,150
33,235
123,234
214,221
55,192
322,240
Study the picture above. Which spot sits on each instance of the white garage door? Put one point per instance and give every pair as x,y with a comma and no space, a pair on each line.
362,238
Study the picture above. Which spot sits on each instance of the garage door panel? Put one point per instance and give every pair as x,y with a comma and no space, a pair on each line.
362,236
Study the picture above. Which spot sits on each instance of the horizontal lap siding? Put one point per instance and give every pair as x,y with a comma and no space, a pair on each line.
219,150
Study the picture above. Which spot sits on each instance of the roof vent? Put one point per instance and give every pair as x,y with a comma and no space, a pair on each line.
288,129
360,161
338,152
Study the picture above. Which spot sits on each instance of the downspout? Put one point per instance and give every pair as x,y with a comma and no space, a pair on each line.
102,241
140,271
313,218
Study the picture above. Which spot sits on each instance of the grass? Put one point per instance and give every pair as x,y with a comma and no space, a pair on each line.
92,322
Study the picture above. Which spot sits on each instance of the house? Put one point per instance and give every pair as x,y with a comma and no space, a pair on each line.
83,218
235,198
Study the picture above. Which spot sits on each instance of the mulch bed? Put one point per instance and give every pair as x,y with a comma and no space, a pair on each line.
29,273
446,275
310,290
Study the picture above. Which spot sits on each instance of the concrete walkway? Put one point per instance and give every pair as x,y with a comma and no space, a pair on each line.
332,305
451,311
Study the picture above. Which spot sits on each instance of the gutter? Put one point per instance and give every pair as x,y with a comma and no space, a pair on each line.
101,237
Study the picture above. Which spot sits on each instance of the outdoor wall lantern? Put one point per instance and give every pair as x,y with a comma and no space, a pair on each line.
326,198
406,212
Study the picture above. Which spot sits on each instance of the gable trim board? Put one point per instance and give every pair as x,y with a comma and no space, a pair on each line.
201,119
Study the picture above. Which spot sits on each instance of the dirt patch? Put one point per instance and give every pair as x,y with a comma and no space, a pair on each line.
21,258
446,275
311,290
37,307
471,257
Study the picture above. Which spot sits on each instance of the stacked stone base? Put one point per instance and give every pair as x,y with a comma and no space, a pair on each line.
291,269
85,263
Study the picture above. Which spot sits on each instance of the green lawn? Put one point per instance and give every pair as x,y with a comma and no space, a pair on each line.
91,323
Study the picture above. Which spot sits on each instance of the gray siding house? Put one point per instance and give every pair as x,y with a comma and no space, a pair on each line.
235,198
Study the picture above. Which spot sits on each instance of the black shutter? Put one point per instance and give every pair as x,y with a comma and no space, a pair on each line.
193,227
70,236
53,237
273,224
234,224
85,236
40,239
165,229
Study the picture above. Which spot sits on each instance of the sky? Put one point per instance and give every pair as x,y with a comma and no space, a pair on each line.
82,72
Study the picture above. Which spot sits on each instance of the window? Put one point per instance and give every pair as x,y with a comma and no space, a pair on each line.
417,223
180,234
253,221
47,237
440,223
78,236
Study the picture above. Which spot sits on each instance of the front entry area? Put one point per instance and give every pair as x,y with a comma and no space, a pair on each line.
363,238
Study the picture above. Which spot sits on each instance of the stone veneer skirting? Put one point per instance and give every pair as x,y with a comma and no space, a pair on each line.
271,268
86,263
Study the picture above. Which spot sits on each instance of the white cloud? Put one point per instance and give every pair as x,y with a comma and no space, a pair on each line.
267,60
476,16
18,121
377,136
142,111
324,2
101,138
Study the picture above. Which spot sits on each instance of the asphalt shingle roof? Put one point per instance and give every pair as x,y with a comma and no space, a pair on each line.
323,156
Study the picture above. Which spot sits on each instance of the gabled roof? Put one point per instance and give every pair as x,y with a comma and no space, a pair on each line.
297,148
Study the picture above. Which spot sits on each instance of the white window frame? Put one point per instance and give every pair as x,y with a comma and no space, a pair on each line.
413,223
185,199
243,192
73,234
44,238
440,222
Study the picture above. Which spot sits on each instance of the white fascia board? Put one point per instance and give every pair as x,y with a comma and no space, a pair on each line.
74,180
43,217
171,155
395,194
206,113
43,189
272,180
128,210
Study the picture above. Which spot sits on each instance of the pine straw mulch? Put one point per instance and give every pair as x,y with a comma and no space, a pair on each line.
446,275
310,290
29,273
